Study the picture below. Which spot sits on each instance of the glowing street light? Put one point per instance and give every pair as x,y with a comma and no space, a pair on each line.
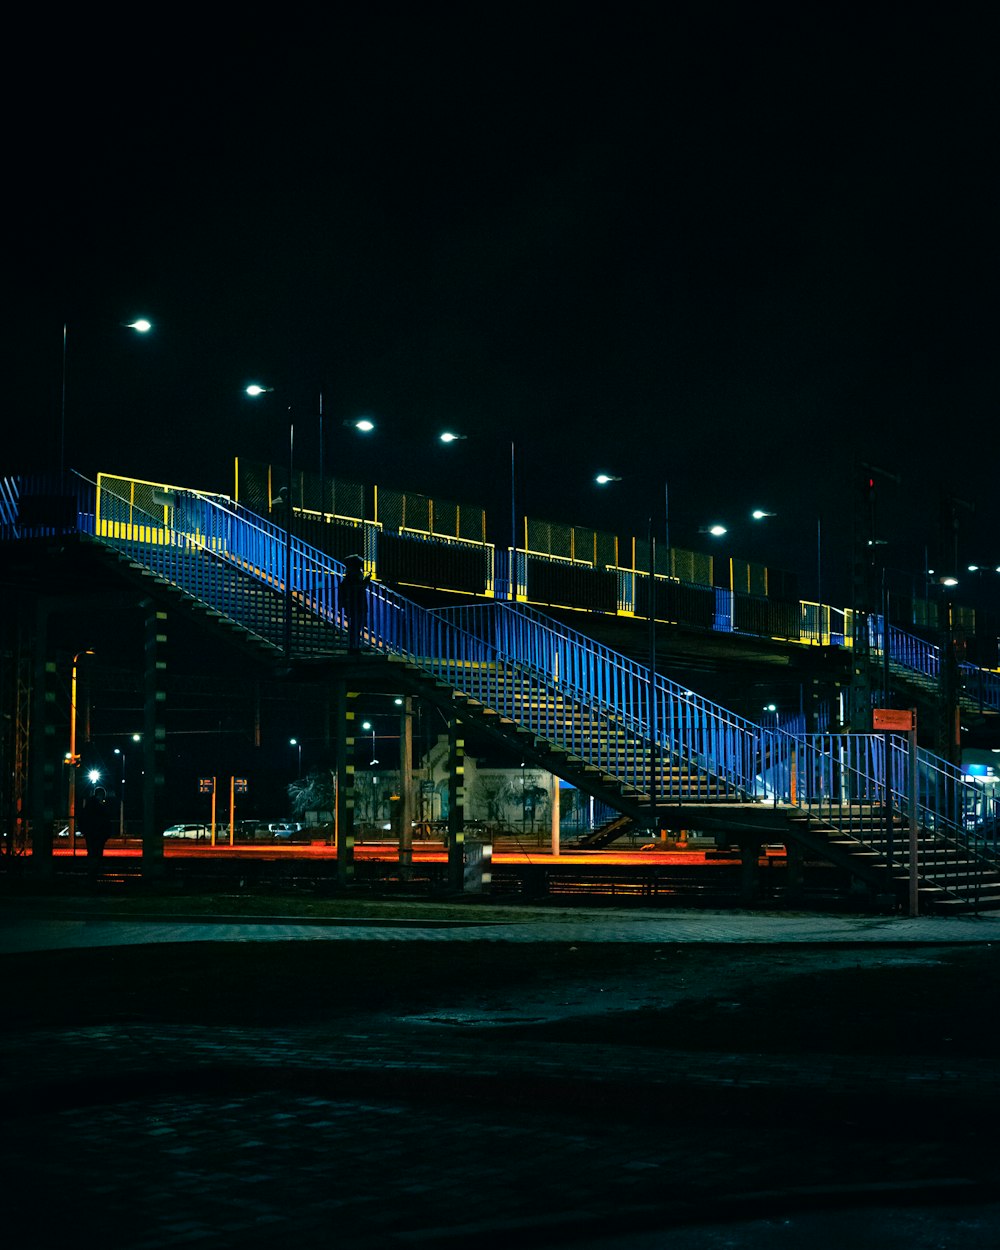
449,436
294,742
366,726
141,325
363,424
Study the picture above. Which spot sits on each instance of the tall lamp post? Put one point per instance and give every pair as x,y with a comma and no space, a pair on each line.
121,801
450,437
605,479
294,742
254,390
73,758
121,796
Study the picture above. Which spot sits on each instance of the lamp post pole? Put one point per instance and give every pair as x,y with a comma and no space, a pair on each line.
121,796
322,480
73,759
62,417
603,479
288,539
255,389
654,750
513,528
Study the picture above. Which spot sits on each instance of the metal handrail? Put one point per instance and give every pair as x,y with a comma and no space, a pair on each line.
650,737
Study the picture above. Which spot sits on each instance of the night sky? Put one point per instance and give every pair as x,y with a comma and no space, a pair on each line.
736,249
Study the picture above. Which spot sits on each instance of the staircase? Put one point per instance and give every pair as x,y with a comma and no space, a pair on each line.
649,748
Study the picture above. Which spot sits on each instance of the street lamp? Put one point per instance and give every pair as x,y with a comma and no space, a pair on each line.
72,757
141,325
365,425
366,726
294,742
449,436
604,479
121,796
121,799
253,390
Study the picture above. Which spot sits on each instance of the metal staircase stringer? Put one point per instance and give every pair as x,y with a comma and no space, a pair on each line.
542,753
175,594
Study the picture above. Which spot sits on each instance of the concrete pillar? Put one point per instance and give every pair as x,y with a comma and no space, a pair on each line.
345,785
554,807
456,805
406,804
154,737
44,769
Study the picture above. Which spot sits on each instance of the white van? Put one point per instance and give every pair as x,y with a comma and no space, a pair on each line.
195,832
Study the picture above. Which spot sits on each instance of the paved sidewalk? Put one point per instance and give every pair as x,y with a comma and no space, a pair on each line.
24,929
396,1128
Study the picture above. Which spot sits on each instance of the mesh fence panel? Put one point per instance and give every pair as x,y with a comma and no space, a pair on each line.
691,566
578,543
408,510
259,485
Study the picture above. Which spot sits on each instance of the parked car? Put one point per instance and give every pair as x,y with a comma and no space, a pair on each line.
193,832
285,829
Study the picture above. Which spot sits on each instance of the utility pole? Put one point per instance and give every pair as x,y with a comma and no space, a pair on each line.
865,566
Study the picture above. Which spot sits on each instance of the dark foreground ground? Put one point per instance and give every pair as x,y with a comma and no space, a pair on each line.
463,1092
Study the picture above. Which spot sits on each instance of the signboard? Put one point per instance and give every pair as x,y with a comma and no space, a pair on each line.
206,785
896,720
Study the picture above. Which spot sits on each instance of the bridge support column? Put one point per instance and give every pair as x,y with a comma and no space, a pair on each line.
556,813
42,750
750,875
406,789
154,738
345,785
456,805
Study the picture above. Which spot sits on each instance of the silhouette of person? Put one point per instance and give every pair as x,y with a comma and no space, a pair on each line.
354,599
95,825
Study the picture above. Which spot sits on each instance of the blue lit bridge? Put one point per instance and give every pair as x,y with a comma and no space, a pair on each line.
904,822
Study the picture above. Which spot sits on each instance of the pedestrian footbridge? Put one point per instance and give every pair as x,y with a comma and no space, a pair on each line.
903,821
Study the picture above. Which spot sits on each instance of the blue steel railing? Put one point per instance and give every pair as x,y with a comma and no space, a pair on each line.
653,737
829,775
817,623
718,753
214,548
916,655
841,779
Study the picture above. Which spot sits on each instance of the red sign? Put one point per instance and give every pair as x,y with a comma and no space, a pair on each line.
896,720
